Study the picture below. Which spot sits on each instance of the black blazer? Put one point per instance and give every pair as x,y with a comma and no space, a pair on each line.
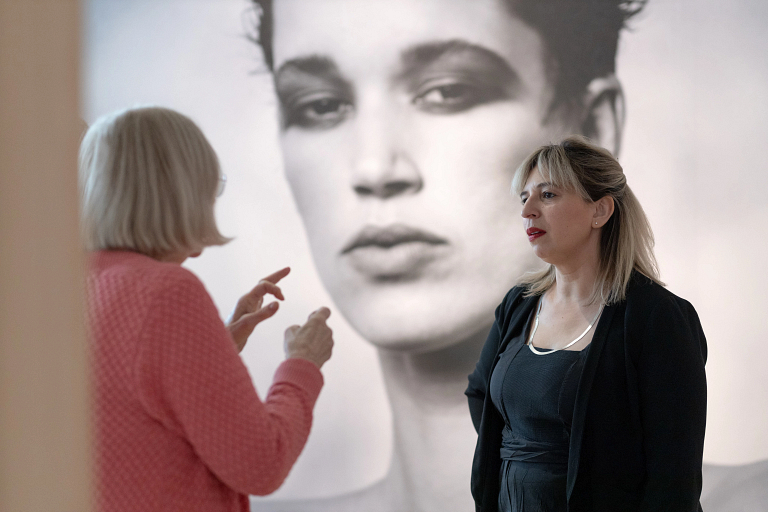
637,434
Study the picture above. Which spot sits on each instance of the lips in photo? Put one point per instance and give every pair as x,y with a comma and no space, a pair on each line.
392,252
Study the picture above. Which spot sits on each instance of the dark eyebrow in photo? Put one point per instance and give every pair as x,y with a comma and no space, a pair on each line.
315,65
425,55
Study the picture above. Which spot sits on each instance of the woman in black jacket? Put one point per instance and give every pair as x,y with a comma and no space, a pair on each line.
590,392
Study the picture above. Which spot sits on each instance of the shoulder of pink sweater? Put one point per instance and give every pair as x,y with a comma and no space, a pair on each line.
300,372
156,274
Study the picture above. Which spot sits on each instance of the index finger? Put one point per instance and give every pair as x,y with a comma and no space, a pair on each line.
277,276
322,314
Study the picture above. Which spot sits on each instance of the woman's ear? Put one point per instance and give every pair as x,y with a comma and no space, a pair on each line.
603,211
603,120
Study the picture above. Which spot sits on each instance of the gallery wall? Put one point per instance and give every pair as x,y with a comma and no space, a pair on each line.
45,448
696,86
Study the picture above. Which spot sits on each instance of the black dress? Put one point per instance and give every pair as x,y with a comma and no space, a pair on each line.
637,433
535,394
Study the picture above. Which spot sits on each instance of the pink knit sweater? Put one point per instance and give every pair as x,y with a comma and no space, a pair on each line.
179,425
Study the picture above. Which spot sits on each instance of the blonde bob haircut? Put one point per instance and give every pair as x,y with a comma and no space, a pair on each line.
626,240
148,183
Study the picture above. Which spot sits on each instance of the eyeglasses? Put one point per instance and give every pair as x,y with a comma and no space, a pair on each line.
222,185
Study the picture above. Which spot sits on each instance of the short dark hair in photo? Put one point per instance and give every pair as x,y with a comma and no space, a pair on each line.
581,37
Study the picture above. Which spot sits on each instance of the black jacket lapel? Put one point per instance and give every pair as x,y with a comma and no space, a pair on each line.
582,394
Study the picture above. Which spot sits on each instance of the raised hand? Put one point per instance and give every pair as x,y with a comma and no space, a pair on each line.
250,311
313,340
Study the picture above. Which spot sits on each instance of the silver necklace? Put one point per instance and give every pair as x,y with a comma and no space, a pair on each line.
536,325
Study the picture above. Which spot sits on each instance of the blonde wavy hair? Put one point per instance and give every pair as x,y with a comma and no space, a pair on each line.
148,183
626,241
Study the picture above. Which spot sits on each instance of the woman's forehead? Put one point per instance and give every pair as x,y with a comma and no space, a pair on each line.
359,36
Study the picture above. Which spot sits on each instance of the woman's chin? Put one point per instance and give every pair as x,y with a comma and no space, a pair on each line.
421,315
540,252
410,345
417,333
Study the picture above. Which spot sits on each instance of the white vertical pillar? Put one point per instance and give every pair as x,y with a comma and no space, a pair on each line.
44,418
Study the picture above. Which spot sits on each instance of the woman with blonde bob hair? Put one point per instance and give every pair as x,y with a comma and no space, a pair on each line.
149,180
179,425
590,392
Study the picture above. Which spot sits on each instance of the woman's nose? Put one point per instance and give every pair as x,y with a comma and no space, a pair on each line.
529,210
385,176
382,165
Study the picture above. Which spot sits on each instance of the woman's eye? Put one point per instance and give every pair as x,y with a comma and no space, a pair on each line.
548,195
454,97
318,113
451,93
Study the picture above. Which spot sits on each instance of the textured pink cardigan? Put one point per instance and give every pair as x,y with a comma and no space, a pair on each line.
179,425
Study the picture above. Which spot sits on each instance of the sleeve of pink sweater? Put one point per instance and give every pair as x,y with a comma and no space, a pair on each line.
191,379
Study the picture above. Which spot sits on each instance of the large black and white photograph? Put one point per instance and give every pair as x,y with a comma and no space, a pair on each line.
371,146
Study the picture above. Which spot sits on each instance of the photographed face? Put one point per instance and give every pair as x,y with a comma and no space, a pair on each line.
557,222
402,124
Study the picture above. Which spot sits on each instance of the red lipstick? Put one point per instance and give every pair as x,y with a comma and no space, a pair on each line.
534,233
